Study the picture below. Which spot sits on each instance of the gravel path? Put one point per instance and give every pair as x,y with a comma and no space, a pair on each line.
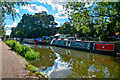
12,64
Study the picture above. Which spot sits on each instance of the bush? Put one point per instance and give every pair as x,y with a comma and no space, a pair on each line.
25,49
22,50
10,43
17,48
30,55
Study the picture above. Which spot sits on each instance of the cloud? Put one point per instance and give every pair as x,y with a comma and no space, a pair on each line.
58,23
8,32
56,4
42,1
8,27
17,10
34,8
61,15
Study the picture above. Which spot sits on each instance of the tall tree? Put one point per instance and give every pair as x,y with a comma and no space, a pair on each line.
96,17
66,28
8,8
33,26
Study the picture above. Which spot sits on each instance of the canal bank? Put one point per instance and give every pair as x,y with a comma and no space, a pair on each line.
13,65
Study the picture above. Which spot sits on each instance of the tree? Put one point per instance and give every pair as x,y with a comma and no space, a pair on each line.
13,33
8,8
38,25
66,28
94,18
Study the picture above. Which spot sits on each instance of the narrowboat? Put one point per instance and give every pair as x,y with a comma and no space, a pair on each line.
81,45
111,48
34,41
31,41
106,47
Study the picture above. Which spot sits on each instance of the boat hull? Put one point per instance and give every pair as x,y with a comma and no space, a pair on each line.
97,47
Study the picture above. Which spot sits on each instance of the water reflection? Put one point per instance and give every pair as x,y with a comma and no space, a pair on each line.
66,63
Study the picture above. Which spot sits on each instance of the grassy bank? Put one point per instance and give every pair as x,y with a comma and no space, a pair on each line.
34,71
27,53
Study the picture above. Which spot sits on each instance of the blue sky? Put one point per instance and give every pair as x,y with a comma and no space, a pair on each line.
54,7
50,6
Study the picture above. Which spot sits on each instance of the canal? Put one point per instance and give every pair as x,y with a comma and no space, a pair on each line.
67,63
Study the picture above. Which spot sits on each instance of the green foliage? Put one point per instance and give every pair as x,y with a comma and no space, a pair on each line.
100,18
30,55
17,48
25,49
27,64
10,43
32,68
8,8
34,71
66,28
22,50
32,26
103,37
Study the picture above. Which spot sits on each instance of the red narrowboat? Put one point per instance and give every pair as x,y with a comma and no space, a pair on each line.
105,47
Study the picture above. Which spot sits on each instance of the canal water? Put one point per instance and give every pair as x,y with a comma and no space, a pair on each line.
67,63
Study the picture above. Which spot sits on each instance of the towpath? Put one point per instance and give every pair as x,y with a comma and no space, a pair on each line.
12,64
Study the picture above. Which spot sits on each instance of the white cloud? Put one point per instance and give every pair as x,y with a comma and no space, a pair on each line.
42,1
61,15
56,4
8,27
17,10
58,23
34,8
8,32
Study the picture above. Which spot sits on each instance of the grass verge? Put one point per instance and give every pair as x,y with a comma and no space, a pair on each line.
34,71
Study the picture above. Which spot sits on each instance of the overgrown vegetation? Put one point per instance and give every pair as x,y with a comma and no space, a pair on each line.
34,71
23,50
31,55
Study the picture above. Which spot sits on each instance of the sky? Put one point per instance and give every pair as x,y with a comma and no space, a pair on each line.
50,6
53,7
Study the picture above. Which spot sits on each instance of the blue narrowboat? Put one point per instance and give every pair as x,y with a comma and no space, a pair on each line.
98,47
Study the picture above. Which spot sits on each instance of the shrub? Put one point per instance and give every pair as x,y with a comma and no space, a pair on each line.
17,47
22,50
30,55
10,43
25,49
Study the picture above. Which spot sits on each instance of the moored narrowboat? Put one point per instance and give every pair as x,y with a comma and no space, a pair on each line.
81,45
73,44
31,41
61,43
34,41
110,48
105,47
